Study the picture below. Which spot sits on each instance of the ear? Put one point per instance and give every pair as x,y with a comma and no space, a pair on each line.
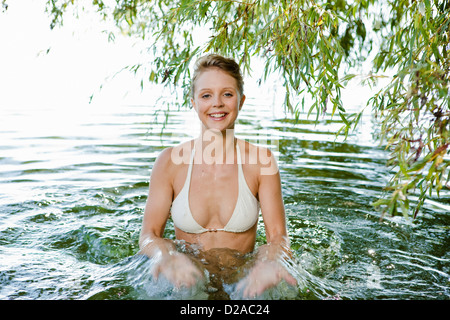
242,102
193,104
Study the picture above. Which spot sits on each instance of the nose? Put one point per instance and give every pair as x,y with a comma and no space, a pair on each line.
217,101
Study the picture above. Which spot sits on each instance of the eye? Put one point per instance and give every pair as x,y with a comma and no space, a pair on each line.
228,94
206,96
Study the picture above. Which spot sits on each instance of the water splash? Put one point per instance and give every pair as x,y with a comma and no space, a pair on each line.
71,205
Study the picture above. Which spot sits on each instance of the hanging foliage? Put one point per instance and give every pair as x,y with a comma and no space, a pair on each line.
313,45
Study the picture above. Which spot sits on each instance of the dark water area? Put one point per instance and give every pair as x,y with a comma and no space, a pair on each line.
73,186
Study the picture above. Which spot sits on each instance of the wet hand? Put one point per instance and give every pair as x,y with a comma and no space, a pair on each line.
264,275
178,269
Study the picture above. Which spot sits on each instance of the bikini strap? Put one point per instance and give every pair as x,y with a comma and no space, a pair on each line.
239,160
188,176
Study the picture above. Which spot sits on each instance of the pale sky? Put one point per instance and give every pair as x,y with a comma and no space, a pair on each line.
79,60
78,63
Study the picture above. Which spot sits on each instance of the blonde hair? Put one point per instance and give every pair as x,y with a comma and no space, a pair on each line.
227,65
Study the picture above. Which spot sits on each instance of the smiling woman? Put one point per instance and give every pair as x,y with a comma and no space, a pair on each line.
74,181
215,198
217,100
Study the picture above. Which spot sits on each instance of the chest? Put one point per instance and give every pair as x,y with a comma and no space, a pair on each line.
214,189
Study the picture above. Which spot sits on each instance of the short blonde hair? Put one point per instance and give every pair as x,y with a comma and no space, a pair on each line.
227,65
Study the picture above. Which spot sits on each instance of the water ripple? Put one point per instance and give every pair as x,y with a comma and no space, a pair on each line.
73,188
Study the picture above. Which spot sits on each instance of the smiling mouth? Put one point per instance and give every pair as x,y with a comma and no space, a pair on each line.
218,116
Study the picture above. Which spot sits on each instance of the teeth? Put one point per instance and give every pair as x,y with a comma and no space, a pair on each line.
217,115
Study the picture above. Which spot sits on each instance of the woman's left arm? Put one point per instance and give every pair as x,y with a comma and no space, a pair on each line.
269,268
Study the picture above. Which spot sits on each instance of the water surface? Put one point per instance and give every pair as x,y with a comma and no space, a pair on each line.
74,183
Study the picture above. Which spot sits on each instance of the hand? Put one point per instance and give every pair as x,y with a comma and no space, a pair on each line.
178,269
264,275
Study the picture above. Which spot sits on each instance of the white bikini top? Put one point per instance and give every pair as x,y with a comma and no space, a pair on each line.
244,216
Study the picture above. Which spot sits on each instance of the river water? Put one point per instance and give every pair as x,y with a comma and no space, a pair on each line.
73,185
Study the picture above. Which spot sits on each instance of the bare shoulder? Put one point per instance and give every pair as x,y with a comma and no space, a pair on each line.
168,165
162,166
171,157
259,158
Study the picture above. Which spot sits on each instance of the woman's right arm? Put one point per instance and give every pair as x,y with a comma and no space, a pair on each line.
157,208
178,268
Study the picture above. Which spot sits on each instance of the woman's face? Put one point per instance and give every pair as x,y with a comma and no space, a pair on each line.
216,99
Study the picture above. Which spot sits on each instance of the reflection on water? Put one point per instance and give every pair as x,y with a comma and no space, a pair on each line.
73,188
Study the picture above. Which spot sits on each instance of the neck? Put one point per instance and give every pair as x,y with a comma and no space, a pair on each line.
217,146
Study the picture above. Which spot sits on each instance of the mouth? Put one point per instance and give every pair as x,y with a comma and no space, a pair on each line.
216,116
